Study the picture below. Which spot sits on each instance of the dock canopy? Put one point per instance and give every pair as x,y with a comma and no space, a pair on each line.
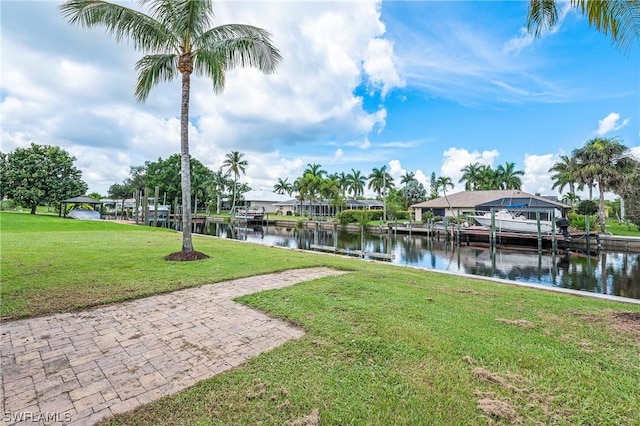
79,201
525,205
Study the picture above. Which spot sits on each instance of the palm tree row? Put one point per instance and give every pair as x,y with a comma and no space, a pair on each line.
315,183
482,177
604,162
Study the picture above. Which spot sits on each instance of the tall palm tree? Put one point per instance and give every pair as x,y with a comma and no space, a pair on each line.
177,41
487,178
442,183
380,180
308,188
331,191
283,186
408,177
509,177
343,180
356,183
470,176
218,185
604,160
315,170
565,173
620,19
235,166
571,199
629,195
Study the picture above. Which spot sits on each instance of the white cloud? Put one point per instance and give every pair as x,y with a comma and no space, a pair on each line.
522,40
379,63
396,171
537,179
361,144
611,123
635,152
84,101
455,159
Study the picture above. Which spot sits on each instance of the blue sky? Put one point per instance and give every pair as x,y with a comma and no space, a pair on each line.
418,86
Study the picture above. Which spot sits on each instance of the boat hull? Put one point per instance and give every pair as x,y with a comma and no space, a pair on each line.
516,225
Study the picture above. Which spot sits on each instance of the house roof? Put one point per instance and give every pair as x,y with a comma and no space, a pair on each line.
82,200
350,203
264,195
471,199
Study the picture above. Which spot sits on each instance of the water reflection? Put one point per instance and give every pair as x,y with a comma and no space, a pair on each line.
616,273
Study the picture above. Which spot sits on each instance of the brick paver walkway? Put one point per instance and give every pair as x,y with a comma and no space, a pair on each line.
80,368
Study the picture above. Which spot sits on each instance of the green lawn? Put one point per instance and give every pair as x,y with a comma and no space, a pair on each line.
625,229
383,344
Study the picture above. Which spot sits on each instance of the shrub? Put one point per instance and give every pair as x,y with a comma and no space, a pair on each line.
587,207
7,205
346,217
402,215
578,221
426,216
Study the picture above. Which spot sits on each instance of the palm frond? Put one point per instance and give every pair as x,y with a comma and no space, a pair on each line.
213,65
187,18
242,45
618,18
542,16
153,69
145,32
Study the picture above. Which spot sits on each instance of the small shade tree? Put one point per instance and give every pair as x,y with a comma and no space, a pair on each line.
41,174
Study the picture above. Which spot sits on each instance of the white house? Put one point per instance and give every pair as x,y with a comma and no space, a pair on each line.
467,202
265,199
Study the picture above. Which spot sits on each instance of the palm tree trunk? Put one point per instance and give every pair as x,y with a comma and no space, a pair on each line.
233,203
601,207
185,181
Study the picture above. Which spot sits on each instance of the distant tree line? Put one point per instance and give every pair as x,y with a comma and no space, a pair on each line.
207,186
607,164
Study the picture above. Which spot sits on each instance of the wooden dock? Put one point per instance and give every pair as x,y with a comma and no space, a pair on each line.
465,235
347,252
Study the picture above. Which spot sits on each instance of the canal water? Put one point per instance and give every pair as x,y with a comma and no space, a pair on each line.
608,272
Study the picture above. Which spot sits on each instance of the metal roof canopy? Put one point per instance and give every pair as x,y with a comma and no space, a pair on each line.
530,204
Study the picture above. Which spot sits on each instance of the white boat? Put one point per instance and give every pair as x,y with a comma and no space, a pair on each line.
249,214
160,215
507,221
84,214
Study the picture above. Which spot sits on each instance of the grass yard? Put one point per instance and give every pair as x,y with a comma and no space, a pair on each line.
626,229
383,344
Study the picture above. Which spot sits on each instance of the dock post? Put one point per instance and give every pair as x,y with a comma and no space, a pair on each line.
554,243
492,229
539,232
156,195
145,207
587,233
137,208
458,229
175,213
446,229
